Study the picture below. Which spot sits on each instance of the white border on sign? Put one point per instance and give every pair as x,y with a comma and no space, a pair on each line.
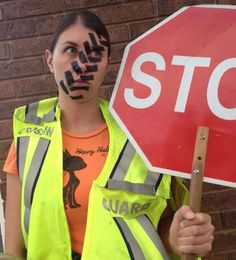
217,6
122,125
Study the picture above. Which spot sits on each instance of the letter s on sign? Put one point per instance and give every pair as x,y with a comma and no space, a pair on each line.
145,79
212,91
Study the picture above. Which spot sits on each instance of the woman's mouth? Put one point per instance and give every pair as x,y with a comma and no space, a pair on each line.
79,85
75,88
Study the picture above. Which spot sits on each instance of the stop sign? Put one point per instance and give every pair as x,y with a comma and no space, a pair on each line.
177,76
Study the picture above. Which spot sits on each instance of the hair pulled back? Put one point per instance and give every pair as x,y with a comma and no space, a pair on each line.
87,19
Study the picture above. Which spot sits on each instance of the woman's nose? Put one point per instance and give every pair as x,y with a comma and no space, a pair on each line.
80,63
78,67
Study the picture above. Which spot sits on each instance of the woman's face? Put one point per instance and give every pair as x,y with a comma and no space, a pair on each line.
79,62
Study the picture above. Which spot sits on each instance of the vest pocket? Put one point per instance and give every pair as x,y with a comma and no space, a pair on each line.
125,203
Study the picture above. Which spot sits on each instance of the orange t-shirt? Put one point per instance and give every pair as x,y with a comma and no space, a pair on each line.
83,160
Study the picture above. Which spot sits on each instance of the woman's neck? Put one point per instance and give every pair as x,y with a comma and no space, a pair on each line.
80,117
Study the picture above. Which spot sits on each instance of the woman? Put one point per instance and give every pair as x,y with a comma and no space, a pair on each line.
106,203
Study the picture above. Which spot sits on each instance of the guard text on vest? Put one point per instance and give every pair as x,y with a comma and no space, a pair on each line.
124,207
48,131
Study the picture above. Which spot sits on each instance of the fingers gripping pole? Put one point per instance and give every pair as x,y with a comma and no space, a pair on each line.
198,168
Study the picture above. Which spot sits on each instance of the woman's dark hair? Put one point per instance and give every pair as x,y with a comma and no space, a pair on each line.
87,19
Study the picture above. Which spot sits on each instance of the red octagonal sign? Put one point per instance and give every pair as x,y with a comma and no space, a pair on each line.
177,76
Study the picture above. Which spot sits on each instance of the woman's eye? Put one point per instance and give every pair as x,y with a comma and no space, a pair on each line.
96,54
71,50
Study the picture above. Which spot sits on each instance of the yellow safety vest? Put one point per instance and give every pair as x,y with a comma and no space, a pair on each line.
126,201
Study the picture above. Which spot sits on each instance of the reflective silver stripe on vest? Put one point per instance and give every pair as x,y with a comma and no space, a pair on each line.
117,178
152,177
132,187
31,114
22,148
33,175
133,247
124,161
152,233
50,116
26,219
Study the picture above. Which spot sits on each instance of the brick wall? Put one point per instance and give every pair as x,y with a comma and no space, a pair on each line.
25,28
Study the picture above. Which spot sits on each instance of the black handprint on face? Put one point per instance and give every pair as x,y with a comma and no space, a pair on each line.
91,54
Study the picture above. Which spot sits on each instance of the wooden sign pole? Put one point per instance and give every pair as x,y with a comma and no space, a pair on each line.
198,168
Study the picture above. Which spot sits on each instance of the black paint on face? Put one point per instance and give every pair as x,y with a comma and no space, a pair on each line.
75,66
82,57
94,59
86,77
104,43
93,39
69,78
77,97
64,87
87,47
81,88
92,55
91,68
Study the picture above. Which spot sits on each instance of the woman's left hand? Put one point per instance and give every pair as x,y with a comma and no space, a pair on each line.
191,233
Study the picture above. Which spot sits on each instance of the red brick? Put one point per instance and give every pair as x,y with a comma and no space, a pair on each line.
232,255
229,219
220,256
7,89
74,4
208,187
224,241
112,74
45,66
30,46
3,191
166,7
25,8
34,86
53,94
51,84
47,24
6,129
17,29
118,33
216,220
28,27
4,148
227,2
2,173
21,68
106,91
117,51
126,12
7,107
1,13
216,201
4,51
138,28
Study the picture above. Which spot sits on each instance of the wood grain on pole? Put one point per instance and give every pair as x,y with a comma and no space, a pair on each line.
198,167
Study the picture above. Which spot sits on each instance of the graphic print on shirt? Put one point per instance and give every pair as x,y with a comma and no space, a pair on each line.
71,164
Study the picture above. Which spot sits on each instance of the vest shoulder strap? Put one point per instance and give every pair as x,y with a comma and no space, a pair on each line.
38,112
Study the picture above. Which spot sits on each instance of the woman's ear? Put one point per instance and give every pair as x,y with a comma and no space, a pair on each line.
48,56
